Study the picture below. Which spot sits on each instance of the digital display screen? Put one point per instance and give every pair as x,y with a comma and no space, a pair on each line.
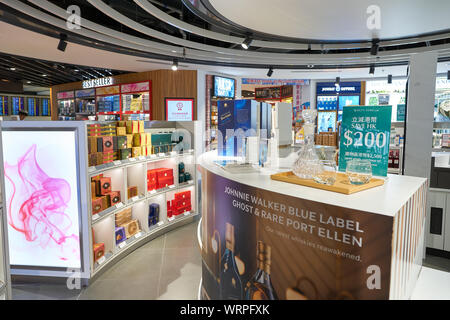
325,103
41,192
326,121
224,87
179,109
348,101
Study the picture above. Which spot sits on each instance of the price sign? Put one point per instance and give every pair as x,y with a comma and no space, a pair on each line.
365,134
119,205
160,223
138,235
171,219
122,244
187,213
135,198
117,162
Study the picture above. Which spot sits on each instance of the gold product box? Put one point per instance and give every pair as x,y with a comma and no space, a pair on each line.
135,152
132,126
92,145
121,131
123,217
144,151
139,139
141,126
129,140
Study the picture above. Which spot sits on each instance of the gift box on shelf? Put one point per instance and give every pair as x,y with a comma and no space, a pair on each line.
125,153
106,202
109,156
135,152
181,178
105,185
131,228
120,235
181,167
187,176
183,195
153,214
144,151
114,197
107,143
123,217
139,139
121,131
132,191
92,144
122,142
164,182
132,126
99,250
164,173
97,205
141,125
129,140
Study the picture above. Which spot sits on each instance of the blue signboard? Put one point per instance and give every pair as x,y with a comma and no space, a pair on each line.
351,88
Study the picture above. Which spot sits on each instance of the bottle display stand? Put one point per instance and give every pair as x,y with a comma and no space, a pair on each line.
5,279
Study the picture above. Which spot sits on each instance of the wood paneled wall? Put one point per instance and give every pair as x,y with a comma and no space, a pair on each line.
165,84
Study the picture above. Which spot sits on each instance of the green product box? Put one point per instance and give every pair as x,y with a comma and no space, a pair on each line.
122,142
125,153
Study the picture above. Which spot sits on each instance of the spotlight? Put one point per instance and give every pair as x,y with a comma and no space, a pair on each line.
389,78
375,47
12,69
338,80
448,75
372,69
175,65
246,43
270,72
62,42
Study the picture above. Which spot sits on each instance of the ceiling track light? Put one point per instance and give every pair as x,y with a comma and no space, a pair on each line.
270,72
62,42
448,75
389,78
175,65
247,42
375,47
372,69
338,80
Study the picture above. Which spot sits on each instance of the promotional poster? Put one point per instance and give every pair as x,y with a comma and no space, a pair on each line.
262,245
41,198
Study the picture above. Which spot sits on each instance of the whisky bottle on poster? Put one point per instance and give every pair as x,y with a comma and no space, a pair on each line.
230,282
260,285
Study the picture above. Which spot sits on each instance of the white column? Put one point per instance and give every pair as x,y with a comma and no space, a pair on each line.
419,127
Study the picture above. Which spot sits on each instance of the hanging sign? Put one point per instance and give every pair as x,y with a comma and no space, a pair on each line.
365,134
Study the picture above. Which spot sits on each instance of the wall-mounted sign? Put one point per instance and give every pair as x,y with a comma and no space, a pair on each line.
365,134
401,112
343,87
100,82
179,109
275,82
85,93
65,95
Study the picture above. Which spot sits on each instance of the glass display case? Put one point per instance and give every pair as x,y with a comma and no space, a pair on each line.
85,103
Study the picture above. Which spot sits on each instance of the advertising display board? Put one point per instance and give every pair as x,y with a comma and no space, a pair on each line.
42,199
178,109
365,134
224,87
307,250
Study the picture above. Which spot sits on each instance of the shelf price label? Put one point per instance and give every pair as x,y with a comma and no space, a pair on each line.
119,205
142,158
161,154
153,191
187,213
365,134
122,244
171,219
95,217
92,169
117,162
138,235
135,198
132,159
160,223
101,260
172,186
153,155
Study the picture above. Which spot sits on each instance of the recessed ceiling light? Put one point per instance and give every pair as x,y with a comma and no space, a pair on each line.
12,68
76,70
44,75
28,82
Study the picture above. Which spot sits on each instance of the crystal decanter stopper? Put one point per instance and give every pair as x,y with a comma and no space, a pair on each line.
307,163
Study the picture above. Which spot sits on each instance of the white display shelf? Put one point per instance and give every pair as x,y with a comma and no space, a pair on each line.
150,194
144,237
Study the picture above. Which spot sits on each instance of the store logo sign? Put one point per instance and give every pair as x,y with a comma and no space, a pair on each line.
179,106
94,83
373,21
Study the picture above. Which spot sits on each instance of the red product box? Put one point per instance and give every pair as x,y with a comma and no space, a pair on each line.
183,195
181,210
164,173
151,176
99,250
108,145
105,185
182,202
115,197
97,205
164,182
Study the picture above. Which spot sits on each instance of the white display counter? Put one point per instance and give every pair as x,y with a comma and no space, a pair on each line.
343,237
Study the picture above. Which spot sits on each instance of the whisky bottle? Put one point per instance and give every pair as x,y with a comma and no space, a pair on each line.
260,286
230,282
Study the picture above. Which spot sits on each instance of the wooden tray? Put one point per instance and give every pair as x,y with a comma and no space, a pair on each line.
342,185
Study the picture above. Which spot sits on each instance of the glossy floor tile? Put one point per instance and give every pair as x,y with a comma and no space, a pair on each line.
168,267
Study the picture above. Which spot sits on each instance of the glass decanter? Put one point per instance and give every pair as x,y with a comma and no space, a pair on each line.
307,163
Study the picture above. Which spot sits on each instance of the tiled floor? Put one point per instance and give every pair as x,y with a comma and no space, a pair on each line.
168,267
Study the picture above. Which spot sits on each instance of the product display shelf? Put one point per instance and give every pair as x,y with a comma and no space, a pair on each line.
125,173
